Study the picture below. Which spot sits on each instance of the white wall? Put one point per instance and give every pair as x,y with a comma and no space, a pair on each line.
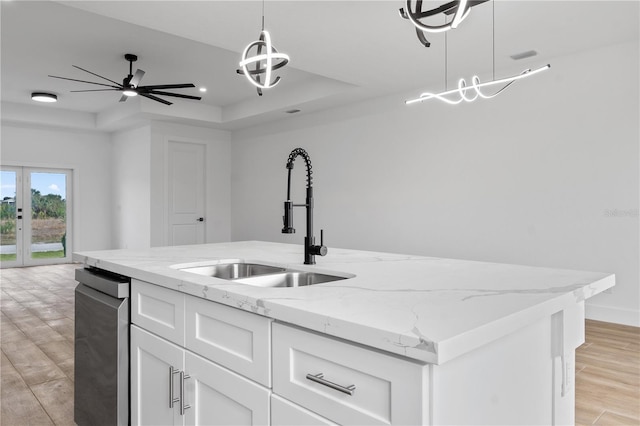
139,176
530,177
88,154
131,176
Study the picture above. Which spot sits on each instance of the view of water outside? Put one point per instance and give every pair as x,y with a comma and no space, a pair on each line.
48,214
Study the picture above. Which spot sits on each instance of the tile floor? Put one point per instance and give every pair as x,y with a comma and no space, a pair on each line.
37,312
37,307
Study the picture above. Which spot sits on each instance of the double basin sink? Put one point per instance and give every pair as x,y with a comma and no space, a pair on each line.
260,275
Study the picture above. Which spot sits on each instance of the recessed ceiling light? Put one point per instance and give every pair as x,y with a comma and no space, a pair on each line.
203,89
523,55
44,97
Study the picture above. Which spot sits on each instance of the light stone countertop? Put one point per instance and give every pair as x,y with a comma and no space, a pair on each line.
425,308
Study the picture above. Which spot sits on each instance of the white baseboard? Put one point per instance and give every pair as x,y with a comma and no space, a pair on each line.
614,315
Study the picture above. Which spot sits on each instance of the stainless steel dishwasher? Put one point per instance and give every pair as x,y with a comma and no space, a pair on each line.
102,319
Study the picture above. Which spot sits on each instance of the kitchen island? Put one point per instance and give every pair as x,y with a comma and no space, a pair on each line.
430,340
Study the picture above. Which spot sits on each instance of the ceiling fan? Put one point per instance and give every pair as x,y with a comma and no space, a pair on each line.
131,85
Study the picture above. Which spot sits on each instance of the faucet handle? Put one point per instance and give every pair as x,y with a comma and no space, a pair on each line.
320,250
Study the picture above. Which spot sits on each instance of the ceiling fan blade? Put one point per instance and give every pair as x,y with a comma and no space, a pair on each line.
155,98
167,86
123,98
135,80
177,95
93,73
95,90
84,81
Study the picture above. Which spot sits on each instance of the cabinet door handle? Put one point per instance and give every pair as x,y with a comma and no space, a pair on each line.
172,371
183,406
319,378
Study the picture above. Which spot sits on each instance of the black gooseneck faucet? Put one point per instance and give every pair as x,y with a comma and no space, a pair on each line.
310,249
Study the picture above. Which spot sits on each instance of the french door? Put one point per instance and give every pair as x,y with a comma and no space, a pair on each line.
35,216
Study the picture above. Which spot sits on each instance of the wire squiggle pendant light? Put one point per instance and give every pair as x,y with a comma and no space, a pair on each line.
466,93
470,93
266,60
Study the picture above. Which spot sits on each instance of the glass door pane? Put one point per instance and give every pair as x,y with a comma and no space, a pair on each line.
48,227
8,218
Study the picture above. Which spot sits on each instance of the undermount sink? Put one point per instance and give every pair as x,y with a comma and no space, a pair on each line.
290,279
259,275
232,271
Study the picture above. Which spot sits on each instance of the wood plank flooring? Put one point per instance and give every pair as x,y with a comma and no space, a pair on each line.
37,310
608,375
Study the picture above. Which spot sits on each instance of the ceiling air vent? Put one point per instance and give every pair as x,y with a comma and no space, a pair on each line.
292,111
523,55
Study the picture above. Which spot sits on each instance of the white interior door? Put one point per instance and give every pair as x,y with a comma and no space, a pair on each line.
186,197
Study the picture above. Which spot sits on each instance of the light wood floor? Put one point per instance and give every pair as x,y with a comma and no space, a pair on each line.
608,375
37,356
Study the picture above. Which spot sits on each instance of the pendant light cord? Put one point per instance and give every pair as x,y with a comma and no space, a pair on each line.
446,59
262,15
493,24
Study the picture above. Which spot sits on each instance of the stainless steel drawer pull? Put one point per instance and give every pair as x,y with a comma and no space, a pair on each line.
172,371
319,378
183,406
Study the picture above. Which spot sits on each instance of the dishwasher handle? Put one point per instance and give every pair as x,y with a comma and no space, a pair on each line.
105,282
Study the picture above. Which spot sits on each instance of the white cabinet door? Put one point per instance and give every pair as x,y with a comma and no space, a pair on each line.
218,396
151,361
286,413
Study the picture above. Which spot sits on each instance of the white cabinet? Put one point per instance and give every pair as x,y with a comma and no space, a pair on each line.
172,384
286,413
152,362
238,340
224,366
220,397
347,383
158,310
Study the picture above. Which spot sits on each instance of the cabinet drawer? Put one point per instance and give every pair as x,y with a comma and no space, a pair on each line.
286,413
238,340
384,389
158,310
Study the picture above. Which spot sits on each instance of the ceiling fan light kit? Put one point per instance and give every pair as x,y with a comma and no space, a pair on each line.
131,85
463,92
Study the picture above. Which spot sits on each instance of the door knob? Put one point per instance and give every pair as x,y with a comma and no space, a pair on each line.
200,219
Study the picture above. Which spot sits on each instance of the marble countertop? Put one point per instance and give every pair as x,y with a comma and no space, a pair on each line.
428,309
